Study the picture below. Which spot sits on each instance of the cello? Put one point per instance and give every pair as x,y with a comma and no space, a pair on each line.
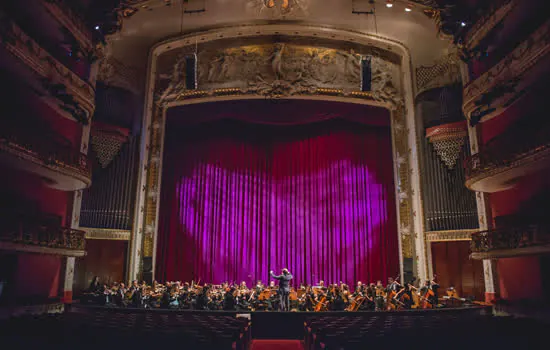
426,297
391,294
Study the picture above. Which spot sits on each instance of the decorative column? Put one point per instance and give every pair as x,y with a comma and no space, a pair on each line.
485,223
68,271
68,280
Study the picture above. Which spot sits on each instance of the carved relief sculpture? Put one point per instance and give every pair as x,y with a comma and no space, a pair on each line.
281,70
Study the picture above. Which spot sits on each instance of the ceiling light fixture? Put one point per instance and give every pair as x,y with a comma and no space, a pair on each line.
96,27
389,4
408,8
463,24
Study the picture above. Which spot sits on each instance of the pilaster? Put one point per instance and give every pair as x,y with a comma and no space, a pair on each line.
485,223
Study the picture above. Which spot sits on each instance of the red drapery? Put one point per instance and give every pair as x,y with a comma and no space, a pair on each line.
239,199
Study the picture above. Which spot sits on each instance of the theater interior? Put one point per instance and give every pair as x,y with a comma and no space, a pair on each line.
274,174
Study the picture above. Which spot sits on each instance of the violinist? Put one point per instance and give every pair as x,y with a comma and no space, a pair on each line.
307,301
135,295
259,288
243,286
359,290
120,295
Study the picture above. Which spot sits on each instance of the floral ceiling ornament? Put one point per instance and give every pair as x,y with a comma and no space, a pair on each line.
448,141
279,8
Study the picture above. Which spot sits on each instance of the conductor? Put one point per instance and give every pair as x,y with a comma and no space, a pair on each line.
284,289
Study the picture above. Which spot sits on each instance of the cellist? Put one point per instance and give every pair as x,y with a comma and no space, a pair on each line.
427,296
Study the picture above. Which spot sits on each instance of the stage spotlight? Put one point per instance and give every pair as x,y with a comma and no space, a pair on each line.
389,4
96,27
463,24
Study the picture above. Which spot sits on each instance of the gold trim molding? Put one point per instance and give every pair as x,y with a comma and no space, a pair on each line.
450,235
501,80
511,253
26,248
485,177
67,18
81,172
485,24
107,234
46,66
399,103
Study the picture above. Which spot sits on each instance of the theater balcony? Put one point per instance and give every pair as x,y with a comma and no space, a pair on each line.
510,242
29,237
505,159
45,154
504,83
51,80
62,11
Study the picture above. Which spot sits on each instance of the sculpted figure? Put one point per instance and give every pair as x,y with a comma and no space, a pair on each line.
177,81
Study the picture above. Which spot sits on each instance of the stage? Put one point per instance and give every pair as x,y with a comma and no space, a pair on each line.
290,325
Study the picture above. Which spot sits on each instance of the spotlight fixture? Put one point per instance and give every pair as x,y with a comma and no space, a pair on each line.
463,24
389,4
96,27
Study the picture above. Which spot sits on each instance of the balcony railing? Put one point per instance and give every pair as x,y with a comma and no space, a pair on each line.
45,237
74,95
497,88
49,148
62,10
507,239
508,148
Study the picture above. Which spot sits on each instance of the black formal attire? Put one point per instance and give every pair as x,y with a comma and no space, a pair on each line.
284,290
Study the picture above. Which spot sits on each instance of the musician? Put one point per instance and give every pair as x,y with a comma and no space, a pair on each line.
308,300
380,295
229,301
424,291
392,286
135,294
202,301
359,290
370,293
259,287
120,295
95,286
435,287
337,298
284,288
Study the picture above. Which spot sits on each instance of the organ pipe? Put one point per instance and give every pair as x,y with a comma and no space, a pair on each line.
448,204
109,202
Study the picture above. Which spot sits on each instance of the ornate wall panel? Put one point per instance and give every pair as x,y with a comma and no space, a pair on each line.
279,67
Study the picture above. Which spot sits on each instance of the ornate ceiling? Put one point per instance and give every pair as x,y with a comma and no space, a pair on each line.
142,24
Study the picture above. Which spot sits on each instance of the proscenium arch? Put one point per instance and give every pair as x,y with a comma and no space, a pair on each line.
408,197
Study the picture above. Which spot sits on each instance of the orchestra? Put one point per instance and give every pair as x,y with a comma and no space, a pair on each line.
238,297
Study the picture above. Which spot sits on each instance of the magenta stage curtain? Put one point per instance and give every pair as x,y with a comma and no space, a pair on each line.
239,199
